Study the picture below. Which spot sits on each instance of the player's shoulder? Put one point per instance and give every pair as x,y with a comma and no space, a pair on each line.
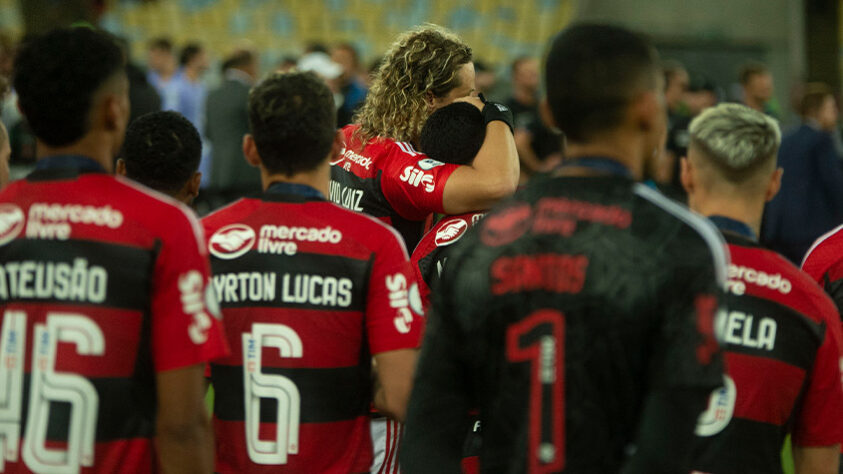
825,253
372,232
226,214
164,214
693,229
448,231
781,280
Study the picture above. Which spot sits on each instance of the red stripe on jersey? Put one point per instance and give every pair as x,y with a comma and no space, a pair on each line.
331,448
332,338
127,456
760,397
121,330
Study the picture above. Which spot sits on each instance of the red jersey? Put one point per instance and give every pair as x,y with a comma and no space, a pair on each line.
310,291
824,262
782,341
431,254
102,284
389,180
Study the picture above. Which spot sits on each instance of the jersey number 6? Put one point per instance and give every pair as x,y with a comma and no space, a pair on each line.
258,385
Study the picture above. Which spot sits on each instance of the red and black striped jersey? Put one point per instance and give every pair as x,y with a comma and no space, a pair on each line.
824,263
431,254
389,180
782,342
310,291
102,284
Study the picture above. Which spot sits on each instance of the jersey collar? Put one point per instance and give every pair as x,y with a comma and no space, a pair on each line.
600,164
301,191
77,162
734,226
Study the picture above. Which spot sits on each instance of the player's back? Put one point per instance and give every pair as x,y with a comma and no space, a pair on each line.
81,275
781,340
389,180
586,294
293,274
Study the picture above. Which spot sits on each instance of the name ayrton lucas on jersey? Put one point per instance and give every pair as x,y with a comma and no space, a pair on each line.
296,289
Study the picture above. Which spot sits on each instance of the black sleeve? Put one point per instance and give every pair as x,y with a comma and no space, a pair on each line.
666,434
437,415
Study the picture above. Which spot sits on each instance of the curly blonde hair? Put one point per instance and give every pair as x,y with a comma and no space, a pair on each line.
422,60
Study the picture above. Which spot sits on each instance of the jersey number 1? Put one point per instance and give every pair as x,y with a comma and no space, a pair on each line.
258,385
539,339
47,386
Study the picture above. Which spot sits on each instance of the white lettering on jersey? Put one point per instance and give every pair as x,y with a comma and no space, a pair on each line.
52,221
192,289
348,155
244,286
316,290
346,197
759,278
416,177
404,300
744,330
62,281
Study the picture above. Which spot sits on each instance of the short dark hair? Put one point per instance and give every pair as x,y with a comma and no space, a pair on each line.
592,73
239,59
351,49
750,70
813,98
293,121
161,43
190,51
453,134
57,76
162,151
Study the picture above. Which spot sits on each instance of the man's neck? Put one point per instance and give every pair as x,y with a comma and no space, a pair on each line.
92,146
317,179
733,207
624,152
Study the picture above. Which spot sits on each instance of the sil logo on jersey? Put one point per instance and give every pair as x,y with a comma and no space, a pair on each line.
231,241
11,222
450,232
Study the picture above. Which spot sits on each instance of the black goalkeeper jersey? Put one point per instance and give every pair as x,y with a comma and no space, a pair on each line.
557,315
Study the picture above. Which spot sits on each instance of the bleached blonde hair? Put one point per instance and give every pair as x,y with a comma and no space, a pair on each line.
736,138
421,61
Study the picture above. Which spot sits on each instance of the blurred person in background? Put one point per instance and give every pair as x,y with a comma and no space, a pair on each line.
665,168
349,83
162,152
163,71
227,122
810,202
287,64
539,148
757,88
381,173
5,144
143,97
782,339
9,113
192,92
485,79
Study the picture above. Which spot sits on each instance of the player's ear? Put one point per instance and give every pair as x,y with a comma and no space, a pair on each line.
686,174
774,185
193,184
250,151
120,169
338,145
430,100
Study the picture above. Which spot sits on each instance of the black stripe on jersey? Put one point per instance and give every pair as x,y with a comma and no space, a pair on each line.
126,409
797,337
234,281
744,447
128,272
327,395
835,290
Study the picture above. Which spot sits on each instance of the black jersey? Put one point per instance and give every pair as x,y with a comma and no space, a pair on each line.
557,315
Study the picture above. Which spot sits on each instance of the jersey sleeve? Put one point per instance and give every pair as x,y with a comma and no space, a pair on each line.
687,350
186,322
829,278
414,184
394,316
822,407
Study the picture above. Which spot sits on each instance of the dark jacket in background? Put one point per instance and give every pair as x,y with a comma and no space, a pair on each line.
810,202
227,120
